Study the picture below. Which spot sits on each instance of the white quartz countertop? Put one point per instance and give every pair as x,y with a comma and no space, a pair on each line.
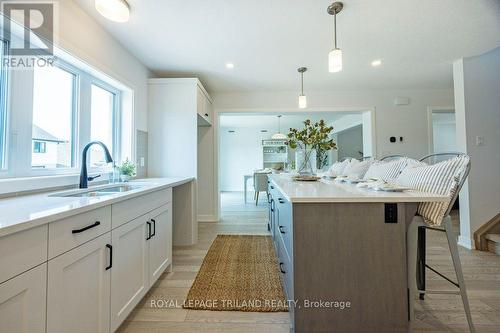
24,212
330,191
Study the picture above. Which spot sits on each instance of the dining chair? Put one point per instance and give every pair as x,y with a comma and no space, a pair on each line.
259,185
417,242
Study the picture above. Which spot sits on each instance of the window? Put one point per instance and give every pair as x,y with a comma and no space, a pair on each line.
53,117
39,147
3,103
102,121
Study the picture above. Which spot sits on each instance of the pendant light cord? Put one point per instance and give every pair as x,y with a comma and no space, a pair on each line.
335,28
302,84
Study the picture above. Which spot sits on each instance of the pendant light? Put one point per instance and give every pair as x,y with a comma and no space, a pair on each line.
114,10
279,135
335,55
302,97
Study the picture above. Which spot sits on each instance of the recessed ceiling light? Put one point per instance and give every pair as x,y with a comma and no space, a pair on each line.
376,62
114,10
229,65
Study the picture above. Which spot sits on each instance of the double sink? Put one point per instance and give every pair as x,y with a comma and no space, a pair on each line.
100,192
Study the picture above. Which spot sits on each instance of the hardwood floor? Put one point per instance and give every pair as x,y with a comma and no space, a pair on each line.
161,309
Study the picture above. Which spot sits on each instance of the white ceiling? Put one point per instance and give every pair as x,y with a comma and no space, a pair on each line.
270,121
268,40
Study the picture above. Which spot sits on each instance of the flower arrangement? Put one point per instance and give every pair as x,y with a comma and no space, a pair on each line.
314,137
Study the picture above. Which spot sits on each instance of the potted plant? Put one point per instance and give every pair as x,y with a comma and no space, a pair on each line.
127,170
307,142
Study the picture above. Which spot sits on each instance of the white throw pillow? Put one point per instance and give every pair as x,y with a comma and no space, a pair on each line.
337,168
440,178
386,170
357,169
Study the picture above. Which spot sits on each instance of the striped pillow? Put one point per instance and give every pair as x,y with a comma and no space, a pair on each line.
440,178
357,169
337,168
386,170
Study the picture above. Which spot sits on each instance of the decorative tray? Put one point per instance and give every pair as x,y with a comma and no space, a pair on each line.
306,178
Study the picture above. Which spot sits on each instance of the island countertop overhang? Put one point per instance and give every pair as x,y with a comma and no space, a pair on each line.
324,191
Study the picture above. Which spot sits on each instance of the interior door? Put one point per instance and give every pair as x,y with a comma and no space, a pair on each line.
129,275
160,243
444,137
79,289
23,302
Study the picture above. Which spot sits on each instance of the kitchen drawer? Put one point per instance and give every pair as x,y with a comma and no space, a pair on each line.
22,251
131,209
73,231
285,223
286,268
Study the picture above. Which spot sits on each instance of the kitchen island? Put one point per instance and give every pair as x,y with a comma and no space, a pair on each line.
342,254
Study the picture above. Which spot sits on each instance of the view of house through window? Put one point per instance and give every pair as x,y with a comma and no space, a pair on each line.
53,112
101,127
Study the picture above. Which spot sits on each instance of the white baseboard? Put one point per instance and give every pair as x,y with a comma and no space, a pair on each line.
207,218
466,242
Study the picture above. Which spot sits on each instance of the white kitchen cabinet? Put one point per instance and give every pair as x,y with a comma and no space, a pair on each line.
129,275
23,302
160,243
78,297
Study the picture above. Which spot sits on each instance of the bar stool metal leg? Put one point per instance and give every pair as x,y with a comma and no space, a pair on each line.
421,261
452,243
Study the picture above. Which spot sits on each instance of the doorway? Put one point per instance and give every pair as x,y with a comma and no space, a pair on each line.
442,130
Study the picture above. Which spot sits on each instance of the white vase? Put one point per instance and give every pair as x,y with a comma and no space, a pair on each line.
125,178
305,161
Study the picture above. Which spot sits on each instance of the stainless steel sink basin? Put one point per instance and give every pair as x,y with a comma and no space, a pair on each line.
101,192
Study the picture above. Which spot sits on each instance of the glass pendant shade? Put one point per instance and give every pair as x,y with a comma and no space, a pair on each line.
335,61
302,102
114,10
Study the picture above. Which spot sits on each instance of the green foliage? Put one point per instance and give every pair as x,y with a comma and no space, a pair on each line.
313,136
127,168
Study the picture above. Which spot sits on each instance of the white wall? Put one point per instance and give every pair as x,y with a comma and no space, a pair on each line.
409,121
83,37
240,154
477,105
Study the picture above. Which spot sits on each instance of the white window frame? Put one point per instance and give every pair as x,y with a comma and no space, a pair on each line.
4,107
20,127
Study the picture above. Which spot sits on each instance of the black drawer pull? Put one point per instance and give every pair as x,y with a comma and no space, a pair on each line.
281,229
281,201
149,230
77,231
281,268
272,187
206,114
154,227
110,256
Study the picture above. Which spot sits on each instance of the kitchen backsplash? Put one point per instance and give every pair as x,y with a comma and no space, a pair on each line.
142,153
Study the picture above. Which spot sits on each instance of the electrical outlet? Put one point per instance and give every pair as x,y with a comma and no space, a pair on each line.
479,140
142,161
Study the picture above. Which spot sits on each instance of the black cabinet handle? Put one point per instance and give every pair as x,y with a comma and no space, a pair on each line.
281,201
281,268
281,229
206,114
272,187
154,227
149,230
110,256
77,231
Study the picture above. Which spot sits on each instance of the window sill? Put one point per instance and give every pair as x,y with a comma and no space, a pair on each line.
21,186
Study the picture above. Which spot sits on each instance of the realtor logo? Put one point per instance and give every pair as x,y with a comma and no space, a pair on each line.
29,26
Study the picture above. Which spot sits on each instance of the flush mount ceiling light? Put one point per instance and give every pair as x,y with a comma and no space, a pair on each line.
302,97
335,55
114,10
229,65
376,62
279,135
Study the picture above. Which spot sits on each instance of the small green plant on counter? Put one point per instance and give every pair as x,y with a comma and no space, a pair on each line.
127,168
